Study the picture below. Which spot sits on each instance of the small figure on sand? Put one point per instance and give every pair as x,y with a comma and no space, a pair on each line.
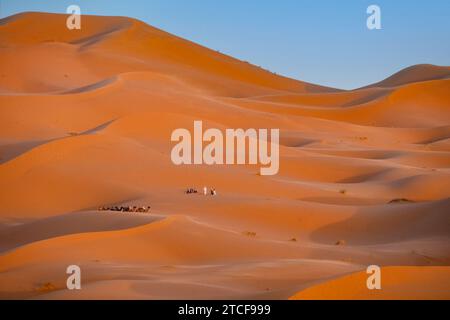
205,191
213,192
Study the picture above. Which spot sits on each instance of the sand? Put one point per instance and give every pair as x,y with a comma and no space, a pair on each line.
85,121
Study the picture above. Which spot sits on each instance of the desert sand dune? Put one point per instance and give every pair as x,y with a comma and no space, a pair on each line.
417,73
324,100
85,122
88,221
400,284
399,222
399,107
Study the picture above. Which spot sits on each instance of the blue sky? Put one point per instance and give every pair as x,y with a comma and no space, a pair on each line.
320,41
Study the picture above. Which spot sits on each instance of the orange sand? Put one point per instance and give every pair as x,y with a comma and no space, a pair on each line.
85,121
399,283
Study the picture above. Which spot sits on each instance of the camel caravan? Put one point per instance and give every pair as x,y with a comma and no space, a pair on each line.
144,209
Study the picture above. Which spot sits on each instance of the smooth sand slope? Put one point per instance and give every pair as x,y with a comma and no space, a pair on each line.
85,121
399,283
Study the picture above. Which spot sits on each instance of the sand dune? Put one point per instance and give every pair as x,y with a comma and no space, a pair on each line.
417,73
85,121
401,107
400,283
28,232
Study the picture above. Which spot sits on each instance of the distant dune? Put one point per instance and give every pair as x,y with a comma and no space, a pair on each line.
85,121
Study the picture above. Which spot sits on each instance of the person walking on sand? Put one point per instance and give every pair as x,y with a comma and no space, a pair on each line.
205,191
213,192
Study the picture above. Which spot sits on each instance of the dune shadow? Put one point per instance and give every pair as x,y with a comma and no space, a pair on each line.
13,150
98,128
365,177
91,87
365,99
17,235
389,223
95,38
435,139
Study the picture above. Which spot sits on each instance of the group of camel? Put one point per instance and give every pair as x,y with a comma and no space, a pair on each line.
144,209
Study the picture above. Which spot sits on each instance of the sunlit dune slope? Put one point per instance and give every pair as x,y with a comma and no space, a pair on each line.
86,118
